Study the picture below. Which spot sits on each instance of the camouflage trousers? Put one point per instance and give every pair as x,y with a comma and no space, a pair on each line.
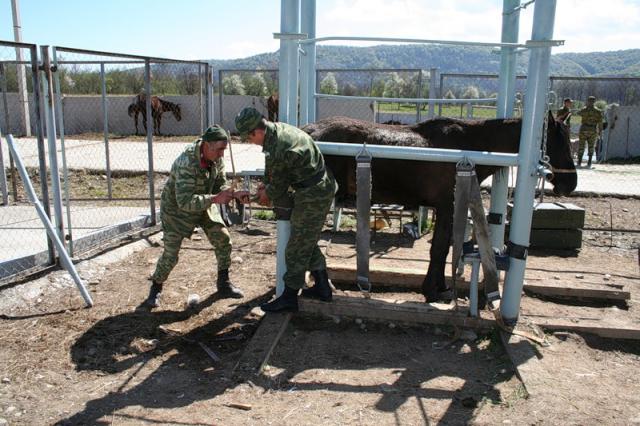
217,234
307,219
586,137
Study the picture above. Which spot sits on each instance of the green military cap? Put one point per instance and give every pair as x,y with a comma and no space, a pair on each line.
215,133
247,120
591,98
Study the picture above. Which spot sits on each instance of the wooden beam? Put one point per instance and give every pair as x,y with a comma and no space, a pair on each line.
256,354
422,313
412,278
393,311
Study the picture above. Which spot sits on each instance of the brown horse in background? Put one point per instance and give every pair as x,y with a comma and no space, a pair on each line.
158,107
273,103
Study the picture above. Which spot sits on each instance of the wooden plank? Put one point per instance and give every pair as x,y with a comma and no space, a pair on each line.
259,349
393,311
600,328
412,278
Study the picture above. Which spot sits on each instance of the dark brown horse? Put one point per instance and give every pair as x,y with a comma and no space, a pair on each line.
273,103
418,183
158,107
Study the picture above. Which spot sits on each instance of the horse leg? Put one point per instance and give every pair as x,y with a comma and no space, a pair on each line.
435,283
135,120
144,122
159,121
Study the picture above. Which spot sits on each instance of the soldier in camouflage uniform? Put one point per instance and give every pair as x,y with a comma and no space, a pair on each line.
190,198
590,129
564,113
295,177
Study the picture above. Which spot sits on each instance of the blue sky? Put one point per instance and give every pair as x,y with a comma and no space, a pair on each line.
225,29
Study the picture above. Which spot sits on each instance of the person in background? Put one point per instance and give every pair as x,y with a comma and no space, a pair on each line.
564,113
293,161
590,129
190,198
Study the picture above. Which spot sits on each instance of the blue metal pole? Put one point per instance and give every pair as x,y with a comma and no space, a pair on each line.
534,110
308,64
506,93
287,111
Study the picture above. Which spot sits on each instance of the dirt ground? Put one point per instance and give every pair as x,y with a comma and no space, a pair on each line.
63,364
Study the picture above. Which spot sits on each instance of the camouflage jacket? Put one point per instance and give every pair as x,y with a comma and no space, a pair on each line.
192,183
591,119
291,157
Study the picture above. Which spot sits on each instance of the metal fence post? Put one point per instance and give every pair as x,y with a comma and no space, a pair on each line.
105,128
209,90
419,95
152,191
434,92
47,83
220,90
63,150
3,176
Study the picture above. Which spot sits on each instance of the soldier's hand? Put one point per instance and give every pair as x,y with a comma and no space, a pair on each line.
223,197
242,196
263,198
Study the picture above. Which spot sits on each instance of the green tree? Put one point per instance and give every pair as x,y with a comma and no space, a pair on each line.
394,86
471,92
233,85
254,84
329,85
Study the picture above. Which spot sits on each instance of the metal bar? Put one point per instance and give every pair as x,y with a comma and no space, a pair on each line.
209,94
42,164
17,44
441,95
535,106
308,64
429,41
66,261
63,151
419,94
105,129
152,191
3,176
124,55
419,154
433,91
408,100
381,70
47,84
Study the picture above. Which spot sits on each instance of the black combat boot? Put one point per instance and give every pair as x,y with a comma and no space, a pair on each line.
153,299
579,161
589,161
321,290
287,302
225,288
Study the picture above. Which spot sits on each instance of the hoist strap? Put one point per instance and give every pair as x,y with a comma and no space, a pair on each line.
363,206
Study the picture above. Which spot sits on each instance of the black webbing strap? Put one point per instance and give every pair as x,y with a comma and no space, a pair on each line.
467,197
495,218
517,251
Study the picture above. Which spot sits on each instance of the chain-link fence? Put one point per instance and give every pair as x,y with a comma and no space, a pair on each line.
109,169
23,240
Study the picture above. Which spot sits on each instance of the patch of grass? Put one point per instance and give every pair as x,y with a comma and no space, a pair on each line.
518,394
264,215
347,221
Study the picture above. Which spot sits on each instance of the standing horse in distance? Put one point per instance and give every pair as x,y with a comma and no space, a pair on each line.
419,183
273,103
158,107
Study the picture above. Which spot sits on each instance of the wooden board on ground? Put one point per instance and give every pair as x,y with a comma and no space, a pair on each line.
393,311
412,278
259,349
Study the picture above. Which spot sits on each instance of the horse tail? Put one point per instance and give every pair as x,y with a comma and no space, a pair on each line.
131,110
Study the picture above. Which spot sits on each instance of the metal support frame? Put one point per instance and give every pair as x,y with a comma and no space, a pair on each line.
47,88
433,91
534,108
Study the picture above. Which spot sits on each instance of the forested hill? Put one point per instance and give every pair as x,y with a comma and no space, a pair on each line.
451,59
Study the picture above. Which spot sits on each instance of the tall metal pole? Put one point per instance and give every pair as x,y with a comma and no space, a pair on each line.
532,127
23,95
308,64
434,92
287,111
506,96
47,84
12,168
152,190
42,162
63,149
